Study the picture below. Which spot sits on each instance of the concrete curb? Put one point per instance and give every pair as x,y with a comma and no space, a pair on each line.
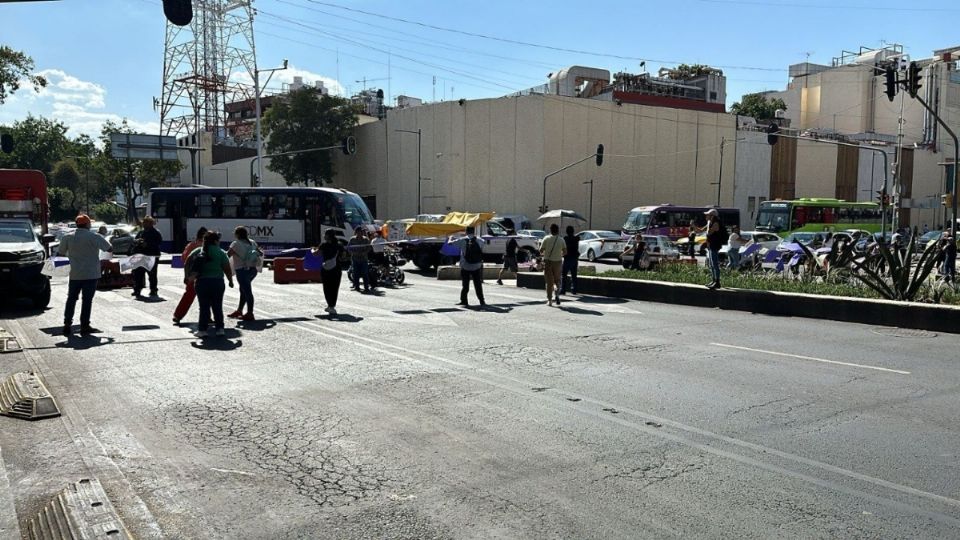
931,317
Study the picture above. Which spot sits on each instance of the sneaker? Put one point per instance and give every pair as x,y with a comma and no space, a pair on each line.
220,331
67,329
332,311
154,293
176,321
201,333
499,282
558,300
87,330
248,317
549,303
462,303
135,293
235,315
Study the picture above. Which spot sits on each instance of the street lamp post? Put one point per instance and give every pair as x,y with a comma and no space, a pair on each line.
257,111
419,134
590,214
226,172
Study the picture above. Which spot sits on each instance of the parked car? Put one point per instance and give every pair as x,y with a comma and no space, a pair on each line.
926,239
539,235
659,248
122,239
22,256
767,240
599,244
810,239
866,241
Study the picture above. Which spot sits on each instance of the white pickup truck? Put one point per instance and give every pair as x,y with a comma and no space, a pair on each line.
423,243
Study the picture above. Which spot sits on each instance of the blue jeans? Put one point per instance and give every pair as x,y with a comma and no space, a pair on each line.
210,296
569,265
77,286
244,283
361,270
713,261
734,256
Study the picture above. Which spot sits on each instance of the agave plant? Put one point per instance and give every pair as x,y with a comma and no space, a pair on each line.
901,280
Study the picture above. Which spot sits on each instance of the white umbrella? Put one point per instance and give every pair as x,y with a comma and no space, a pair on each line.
562,214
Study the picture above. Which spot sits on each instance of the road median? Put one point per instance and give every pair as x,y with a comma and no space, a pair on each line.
938,318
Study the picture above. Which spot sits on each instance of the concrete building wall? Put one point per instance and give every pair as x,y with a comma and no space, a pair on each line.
816,170
752,176
492,155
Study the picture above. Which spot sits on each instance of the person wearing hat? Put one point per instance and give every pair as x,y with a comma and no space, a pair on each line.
715,241
148,243
83,248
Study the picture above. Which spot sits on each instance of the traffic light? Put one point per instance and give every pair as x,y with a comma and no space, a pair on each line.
947,200
349,145
178,12
891,82
6,143
883,198
913,79
599,155
772,131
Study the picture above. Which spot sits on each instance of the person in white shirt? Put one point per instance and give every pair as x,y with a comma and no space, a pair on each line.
736,241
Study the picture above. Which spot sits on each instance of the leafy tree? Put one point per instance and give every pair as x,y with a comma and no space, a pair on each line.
16,68
61,204
66,176
758,106
306,119
133,180
108,212
689,71
38,144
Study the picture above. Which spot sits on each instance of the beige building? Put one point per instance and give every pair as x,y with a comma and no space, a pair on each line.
492,154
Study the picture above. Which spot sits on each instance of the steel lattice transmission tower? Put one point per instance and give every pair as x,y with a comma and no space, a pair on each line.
207,64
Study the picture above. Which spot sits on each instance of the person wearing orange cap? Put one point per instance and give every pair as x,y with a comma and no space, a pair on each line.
83,248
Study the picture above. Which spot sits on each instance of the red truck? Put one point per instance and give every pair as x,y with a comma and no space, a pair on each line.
23,250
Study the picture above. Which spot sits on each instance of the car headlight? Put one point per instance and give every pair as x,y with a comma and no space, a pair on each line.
31,257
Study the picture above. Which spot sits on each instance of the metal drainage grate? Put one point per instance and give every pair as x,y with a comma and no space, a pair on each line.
82,510
8,343
23,395
903,332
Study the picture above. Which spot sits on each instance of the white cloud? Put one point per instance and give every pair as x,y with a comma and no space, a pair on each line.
285,77
80,105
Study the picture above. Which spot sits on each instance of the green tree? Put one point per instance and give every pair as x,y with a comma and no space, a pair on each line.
38,144
66,176
689,71
108,212
15,69
135,179
758,106
306,119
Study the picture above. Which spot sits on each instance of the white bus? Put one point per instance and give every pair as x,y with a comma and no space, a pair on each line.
277,218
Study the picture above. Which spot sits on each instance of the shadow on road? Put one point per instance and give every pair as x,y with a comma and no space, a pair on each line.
79,343
578,311
260,325
601,300
216,344
21,308
340,317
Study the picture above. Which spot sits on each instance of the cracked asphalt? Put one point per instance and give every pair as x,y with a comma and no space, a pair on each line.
410,418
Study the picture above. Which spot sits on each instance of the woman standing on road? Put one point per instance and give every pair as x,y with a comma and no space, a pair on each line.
330,272
244,254
213,266
188,295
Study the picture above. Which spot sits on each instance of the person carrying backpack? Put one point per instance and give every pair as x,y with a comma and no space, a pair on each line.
471,266
245,255
207,266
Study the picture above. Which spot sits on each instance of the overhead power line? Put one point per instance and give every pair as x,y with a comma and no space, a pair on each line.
799,5
525,43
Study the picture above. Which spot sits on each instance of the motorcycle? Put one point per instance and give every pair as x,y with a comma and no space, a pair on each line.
384,268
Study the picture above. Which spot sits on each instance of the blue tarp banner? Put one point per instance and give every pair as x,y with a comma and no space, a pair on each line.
312,262
450,249
176,262
750,250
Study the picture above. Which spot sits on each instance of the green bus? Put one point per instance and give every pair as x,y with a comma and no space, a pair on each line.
818,215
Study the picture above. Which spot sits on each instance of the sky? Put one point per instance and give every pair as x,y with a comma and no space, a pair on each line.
104,58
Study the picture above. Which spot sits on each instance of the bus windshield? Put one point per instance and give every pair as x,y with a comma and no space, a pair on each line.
774,218
353,210
637,220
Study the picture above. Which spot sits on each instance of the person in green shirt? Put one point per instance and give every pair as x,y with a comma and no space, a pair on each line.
214,265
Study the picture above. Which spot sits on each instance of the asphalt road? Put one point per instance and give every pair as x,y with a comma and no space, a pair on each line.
409,417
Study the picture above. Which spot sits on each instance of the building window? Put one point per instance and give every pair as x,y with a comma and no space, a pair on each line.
713,96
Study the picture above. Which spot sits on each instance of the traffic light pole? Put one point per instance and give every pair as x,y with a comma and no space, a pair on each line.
543,208
886,172
956,163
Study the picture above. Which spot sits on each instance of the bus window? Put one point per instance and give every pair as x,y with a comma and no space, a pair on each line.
254,206
230,205
353,211
328,215
208,206
159,205
660,219
286,207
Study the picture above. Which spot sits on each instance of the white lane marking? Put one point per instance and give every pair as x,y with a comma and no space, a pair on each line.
813,359
492,290
519,387
232,471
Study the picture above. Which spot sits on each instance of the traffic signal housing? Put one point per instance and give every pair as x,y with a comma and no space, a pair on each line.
772,131
890,82
913,79
178,12
599,155
349,145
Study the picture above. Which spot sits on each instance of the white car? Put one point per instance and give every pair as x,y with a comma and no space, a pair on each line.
767,240
599,244
659,248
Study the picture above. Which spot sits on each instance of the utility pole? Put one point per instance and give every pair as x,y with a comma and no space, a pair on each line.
257,111
590,214
719,182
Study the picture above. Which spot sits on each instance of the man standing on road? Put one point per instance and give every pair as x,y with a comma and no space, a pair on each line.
553,250
715,241
83,249
949,258
471,266
571,259
510,257
359,248
150,238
